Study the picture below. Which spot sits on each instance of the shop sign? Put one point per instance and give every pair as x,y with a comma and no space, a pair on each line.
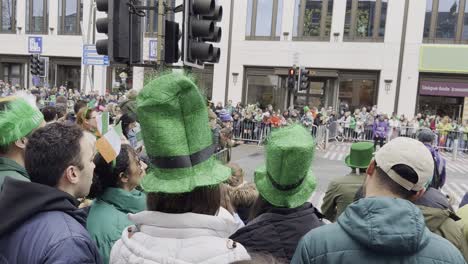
452,89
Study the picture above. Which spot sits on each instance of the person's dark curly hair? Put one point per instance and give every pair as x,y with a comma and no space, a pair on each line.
106,175
50,150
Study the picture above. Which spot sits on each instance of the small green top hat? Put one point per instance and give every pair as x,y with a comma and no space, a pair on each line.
360,156
177,137
287,179
18,118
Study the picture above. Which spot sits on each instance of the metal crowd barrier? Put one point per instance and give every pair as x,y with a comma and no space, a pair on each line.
455,142
251,131
224,155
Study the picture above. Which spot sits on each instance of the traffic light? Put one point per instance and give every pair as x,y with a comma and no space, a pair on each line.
303,79
200,19
117,27
34,65
42,67
171,42
291,79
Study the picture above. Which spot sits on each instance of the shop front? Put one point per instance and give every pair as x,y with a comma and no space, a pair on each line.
327,88
443,81
443,96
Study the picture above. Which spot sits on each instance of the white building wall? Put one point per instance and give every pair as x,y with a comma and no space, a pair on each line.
335,54
410,73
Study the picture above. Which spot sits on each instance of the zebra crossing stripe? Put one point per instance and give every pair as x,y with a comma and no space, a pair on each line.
332,147
460,167
327,155
449,169
454,168
340,156
333,156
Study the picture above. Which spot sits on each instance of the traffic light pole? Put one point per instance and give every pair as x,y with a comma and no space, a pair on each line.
161,23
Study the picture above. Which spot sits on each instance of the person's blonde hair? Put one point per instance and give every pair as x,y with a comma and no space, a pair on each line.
244,196
237,175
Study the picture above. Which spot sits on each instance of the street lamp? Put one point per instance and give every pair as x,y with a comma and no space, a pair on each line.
388,85
235,75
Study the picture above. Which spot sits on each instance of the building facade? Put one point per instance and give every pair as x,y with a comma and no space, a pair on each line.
404,56
358,52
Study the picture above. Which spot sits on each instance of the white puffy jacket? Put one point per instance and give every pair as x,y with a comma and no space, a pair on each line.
178,238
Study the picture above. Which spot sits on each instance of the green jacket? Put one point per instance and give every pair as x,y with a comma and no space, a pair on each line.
446,224
376,230
108,217
340,194
13,170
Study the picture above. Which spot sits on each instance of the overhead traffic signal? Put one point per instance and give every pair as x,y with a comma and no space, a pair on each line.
37,65
117,27
34,65
291,78
303,79
171,42
200,28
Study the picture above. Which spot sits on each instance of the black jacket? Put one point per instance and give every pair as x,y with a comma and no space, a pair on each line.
278,231
41,224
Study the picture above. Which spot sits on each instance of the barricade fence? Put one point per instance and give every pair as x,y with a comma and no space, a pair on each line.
455,142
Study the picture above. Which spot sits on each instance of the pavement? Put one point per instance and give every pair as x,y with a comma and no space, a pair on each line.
329,164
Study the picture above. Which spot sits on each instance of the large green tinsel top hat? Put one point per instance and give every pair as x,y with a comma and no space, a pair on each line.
177,137
287,179
360,156
18,118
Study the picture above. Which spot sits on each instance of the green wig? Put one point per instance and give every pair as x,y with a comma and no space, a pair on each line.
18,118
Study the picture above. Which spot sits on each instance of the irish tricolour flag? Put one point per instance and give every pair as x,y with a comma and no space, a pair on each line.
109,145
102,120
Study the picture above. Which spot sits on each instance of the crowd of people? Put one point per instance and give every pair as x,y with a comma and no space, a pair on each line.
253,123
172,201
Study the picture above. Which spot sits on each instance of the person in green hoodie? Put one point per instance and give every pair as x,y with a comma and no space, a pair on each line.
19,117
385,226
115,196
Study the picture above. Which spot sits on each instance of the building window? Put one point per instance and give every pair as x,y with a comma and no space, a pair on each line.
7,16
312,19
70,17
446,21
11,73
365,20
151,30
264,19
37,14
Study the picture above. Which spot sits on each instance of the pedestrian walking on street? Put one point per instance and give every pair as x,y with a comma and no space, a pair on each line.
115,196
18,119
281,215
380,131
41,222
385,226
341,191
184,222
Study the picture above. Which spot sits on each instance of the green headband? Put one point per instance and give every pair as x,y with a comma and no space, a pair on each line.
17,119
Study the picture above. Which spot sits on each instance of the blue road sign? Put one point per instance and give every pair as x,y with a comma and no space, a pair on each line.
35,45
91,57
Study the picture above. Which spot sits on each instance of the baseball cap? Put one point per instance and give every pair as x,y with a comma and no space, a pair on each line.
409,152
